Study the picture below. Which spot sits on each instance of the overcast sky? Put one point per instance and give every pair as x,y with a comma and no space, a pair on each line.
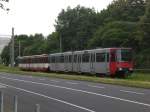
38,16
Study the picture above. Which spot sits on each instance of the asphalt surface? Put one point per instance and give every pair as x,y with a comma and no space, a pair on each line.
59,95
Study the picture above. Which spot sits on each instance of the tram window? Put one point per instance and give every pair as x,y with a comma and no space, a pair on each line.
43,59
36,61
126,55
24,61
53,59
70,58
92,57
75,58
107,57
100,57
61,59
85,57
56,59
113,56
27,61
31,61
46,59
65,59
20,61
39,60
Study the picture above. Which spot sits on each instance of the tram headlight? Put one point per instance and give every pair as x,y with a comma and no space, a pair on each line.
120,69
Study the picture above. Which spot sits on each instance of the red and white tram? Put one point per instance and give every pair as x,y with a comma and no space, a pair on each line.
34,63
109,61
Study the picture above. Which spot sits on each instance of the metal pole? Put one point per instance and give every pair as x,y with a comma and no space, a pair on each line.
37,109
10,54
1,102
60,43
15,103
12,49
19,49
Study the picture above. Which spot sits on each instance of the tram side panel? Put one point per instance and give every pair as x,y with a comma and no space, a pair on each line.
85,64
101,64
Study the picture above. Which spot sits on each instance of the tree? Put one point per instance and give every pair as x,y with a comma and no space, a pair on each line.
30,45
145,26
144,39
76,26
52,43
123,10
114,34
5,55
2,5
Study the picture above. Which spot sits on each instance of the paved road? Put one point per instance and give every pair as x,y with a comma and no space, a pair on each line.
59,95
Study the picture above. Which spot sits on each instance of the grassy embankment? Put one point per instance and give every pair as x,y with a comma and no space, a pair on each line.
141,80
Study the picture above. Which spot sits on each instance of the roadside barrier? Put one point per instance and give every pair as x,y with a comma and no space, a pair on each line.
1,102
15,104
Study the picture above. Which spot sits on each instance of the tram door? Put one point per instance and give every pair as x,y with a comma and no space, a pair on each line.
92,63
79,63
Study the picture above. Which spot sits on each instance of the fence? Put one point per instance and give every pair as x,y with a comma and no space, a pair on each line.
15,104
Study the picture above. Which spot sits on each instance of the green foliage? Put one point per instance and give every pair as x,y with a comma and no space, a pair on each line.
5,55
144,26
123,10
113,34
30,45
143,34
52,43
76,26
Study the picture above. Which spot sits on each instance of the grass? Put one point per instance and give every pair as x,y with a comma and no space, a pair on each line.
141,80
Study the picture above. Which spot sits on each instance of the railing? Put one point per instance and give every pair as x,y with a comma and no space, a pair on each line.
15,104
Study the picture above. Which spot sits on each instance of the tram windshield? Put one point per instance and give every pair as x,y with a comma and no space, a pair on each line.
126,55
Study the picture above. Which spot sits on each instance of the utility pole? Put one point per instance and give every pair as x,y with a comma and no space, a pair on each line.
12,48
60,43
19,48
